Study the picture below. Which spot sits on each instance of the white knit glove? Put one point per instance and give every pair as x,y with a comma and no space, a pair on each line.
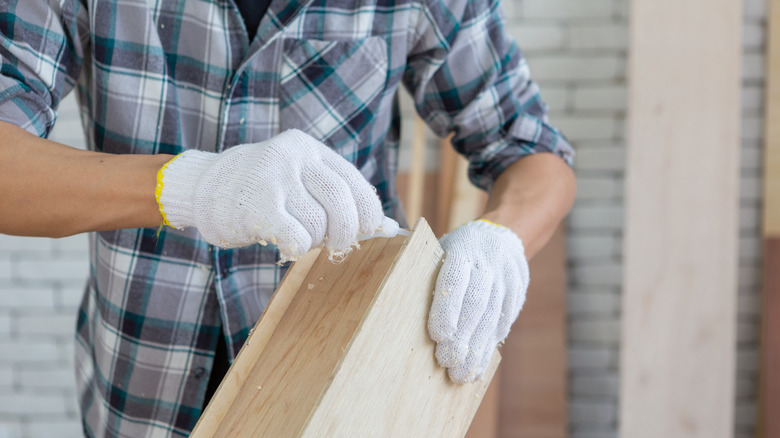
479,293
291,190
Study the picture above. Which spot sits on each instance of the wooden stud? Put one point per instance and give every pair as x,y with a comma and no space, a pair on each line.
415,188
768,424
343,350
533,369
447,159
468,201
771,213
680,256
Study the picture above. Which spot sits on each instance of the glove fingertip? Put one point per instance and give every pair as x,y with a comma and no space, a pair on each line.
438,329
462,374
449,354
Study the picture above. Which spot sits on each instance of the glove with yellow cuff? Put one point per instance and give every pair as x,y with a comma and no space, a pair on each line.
479,292
292,191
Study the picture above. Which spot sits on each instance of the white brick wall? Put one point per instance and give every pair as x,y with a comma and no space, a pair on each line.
748,304
580,65
577,51
582,75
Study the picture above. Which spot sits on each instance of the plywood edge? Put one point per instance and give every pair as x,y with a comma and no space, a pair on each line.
288,378
353,382
420,227
255,344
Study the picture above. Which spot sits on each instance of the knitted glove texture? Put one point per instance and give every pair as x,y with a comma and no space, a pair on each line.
291,190
479,292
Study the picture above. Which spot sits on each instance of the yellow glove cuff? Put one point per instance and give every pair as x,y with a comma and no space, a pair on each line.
158,189
491,223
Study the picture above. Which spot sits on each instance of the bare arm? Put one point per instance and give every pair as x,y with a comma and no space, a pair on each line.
48,189
531,197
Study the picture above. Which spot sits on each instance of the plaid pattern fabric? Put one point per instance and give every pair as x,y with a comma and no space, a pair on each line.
160,76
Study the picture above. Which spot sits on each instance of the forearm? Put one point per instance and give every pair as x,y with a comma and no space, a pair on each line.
531,197
48,189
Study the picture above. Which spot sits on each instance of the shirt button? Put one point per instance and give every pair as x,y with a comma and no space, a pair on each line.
200,372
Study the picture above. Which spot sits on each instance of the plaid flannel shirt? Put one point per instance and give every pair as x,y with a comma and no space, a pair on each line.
161,76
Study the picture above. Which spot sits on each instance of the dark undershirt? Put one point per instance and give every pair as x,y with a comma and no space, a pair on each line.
252,12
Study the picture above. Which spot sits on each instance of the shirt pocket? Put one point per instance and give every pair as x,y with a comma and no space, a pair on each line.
332,90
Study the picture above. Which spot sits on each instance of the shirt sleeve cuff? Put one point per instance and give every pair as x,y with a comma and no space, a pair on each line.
490,162
27,110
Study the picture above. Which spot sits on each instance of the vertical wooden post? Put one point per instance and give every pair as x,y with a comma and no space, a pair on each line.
680,257
416,187
769,391
534,365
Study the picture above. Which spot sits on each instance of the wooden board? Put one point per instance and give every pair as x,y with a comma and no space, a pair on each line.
468,202
415,189
343,350
680,254
771,222
533,399
429,210
768,424
446,182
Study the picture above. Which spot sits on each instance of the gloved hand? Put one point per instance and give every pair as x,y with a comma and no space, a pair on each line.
479,292
291,190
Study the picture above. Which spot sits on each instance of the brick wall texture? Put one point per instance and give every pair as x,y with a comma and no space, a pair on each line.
577,50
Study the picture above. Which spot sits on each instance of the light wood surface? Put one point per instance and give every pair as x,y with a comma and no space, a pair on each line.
223,399
348,354
447,159
680,254
468,201
771,222
768,424
415,189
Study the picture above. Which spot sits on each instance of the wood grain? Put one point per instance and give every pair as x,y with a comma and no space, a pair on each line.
223,399
680,247
403,391
349,355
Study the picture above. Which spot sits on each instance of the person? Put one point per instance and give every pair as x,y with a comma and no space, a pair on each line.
238,122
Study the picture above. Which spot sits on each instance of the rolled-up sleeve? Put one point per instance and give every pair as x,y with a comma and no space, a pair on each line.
41,53
467,76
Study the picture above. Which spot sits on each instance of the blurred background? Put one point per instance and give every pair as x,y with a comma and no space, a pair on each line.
578,53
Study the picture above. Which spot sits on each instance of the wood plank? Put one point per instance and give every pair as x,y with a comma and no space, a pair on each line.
415,188
534,388
447,160
771,212
468,202
680,253
223,399
768,424
350,356
429,210
485,423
